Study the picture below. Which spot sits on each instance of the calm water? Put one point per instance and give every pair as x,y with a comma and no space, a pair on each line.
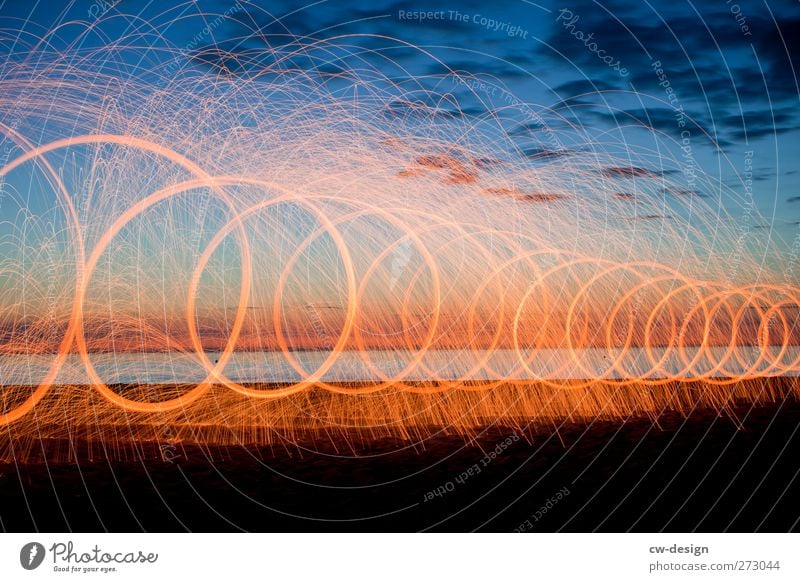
272,367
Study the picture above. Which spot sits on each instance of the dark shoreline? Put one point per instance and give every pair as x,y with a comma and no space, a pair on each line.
706,473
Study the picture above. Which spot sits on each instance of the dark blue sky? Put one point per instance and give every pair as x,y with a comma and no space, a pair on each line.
717,76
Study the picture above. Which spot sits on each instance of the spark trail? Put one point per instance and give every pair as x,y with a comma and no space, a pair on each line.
241,256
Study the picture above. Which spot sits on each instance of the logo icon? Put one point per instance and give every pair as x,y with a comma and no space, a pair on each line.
31,555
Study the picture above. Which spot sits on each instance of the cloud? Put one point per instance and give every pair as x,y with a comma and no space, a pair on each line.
707,59
759,123
628,172
545,153
649,217
658,118
527,128
683,192
524,196
449,169
486,162
581,87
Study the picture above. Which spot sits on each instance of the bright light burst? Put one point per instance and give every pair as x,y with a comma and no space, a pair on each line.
294,240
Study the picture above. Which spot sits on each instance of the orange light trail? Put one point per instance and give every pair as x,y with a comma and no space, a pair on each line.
405,274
